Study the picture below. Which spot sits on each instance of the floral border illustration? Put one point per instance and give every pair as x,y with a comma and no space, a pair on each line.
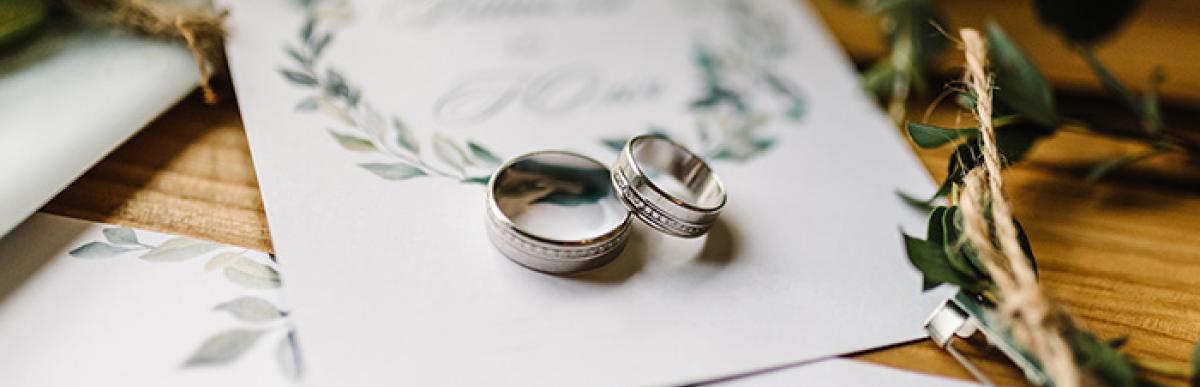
256,316
729,121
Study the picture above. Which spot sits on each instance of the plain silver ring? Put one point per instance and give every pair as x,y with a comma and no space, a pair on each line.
688,217
545,254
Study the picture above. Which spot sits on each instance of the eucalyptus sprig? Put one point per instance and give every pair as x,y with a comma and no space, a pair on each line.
1014,110
1026,101
910,28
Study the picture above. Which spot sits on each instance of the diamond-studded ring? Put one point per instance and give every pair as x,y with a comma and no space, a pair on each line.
555,212
667,186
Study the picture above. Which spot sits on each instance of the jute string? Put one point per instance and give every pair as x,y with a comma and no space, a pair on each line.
200,28
1036,323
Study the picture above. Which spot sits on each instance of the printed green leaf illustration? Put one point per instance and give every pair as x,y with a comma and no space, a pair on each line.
299,78
307,104
287,354
396,171
179,249
405,137
354,143
224,347
120,236
253,275
220,261
99,250
448,152
251,309
482,154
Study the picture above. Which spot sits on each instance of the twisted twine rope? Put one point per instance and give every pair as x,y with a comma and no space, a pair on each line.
200,28
1036,323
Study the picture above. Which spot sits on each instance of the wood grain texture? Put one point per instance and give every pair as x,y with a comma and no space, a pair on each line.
188,172
1161,33
1122,255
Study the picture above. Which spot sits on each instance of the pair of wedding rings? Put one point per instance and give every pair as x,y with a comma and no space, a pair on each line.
562,212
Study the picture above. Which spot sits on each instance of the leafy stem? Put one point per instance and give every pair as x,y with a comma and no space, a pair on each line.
340,100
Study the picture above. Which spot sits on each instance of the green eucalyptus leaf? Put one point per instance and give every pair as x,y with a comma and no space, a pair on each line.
1019,85
932,262
483,154
121,235
944,233
224,347
405,137
251,309
1025,246
1085,21
98,250
1109,366
929,136
925,205
353,143
179,249
299,78
393,171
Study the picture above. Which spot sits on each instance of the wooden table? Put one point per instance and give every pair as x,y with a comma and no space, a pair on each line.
1122,255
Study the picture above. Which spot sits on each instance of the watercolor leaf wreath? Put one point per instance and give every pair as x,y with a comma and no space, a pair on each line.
735,78
366,129
256,316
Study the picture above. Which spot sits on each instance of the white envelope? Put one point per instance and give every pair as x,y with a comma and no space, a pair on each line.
69,98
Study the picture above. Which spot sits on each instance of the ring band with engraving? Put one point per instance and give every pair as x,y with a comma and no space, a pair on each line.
555,212
667,186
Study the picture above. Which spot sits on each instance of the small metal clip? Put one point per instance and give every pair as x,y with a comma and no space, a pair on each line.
963,316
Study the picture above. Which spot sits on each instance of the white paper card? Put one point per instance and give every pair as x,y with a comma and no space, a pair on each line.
374,123
85,304
72,96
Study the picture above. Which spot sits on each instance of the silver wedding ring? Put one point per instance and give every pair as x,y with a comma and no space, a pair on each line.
667,186
556,212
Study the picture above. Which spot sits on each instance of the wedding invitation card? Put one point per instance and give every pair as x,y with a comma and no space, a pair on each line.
374,127
85,304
